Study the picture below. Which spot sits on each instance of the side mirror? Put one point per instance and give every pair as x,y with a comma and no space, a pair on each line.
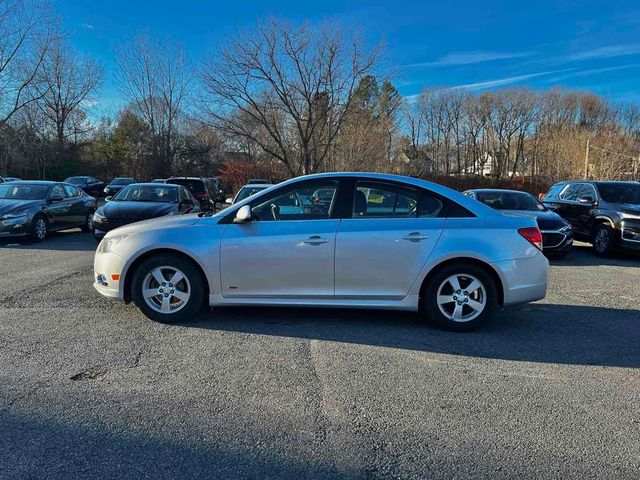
229,201
108,199
243,214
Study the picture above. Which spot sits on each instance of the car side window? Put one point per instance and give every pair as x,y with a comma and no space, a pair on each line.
382,200
571,192
587,190
57,192
71,191
430,205
309,201
553,194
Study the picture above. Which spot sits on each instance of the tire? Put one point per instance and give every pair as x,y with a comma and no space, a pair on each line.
166,306
39,228
87,226
472,307
604,240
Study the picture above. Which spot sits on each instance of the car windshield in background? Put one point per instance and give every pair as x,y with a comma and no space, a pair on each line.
122,181
192,185
246,192
76,180
147,193
509,201
23,192
620,192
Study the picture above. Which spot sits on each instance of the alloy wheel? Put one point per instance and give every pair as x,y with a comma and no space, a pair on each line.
461,297
602,240
41,229
90,221
166,289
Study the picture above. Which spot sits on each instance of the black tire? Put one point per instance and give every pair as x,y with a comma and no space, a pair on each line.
195,284
488,295
39,228
87,226
604,240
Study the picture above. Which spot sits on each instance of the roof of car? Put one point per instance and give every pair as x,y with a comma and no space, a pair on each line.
253,185
39,182
496,190
152,184
595,181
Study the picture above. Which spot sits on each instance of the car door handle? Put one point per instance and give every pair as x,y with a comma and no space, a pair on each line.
315,240
415,237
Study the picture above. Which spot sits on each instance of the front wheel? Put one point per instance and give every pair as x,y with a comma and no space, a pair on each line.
604,240
168,289
460,297
39,228
87,226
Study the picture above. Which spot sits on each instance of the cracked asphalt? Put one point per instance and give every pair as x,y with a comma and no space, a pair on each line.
92,389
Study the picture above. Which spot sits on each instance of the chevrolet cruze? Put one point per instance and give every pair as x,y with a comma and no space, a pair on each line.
337,239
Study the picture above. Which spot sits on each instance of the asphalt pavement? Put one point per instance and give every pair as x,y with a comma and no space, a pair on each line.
92,389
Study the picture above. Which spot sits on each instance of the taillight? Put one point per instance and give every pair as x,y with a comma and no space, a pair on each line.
201,194
532,235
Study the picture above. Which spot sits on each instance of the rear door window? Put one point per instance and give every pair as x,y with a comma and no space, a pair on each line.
381,200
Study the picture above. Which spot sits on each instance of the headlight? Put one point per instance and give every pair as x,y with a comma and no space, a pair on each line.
97,217
566,228
629,216
107,243
11,216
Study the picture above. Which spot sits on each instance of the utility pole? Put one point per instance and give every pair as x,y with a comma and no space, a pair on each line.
586,160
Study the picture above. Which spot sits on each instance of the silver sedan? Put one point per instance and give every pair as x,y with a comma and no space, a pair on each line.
338,239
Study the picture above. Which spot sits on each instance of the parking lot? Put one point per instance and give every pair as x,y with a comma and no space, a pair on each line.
92,389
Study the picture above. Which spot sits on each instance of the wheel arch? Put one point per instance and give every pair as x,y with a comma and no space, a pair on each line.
467,260
129,273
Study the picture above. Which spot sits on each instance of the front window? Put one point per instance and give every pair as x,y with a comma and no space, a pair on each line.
310,201
620,192
146,193
510,201
23,191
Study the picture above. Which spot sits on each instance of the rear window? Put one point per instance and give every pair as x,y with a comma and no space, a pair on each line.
194,186
620,192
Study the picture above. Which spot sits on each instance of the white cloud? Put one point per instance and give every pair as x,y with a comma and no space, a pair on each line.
606,52
469,58
507,80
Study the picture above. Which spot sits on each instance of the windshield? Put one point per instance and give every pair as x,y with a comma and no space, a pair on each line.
502,200
21,191
122,181
246,192
76,180
620,192
147,193
194,186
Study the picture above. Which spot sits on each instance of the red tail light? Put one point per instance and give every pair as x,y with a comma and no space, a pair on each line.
532,235
201,194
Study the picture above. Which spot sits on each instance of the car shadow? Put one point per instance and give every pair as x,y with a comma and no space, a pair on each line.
581,255
66,240
539,332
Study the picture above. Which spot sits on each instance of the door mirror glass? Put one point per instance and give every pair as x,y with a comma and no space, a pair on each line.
243,214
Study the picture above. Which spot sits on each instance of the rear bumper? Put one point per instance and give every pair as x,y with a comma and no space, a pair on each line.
523,280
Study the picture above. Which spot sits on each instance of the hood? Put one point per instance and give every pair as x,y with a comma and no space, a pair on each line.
547,220
134,211
10,206
173,221
632,208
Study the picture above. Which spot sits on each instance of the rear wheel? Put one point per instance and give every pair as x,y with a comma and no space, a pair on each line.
604,240
39,228
460,297
168,289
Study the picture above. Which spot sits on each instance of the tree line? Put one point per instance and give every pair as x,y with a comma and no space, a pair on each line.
280,100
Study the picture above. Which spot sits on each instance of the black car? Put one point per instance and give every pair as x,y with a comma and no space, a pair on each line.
142,201
557,237
117,184
218,192
35,208
605,214
201,188
90,185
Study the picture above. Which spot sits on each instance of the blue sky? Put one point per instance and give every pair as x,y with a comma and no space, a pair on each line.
481,45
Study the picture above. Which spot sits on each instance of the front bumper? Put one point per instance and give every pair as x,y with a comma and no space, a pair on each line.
15,227
630,234
108,275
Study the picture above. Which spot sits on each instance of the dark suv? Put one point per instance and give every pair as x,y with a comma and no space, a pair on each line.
606,214
202,188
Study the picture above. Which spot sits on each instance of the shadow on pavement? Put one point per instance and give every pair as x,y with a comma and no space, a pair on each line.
67,240
565,334
582,256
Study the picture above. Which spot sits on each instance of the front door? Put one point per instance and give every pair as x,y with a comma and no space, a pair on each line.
286,250
58,210
381,250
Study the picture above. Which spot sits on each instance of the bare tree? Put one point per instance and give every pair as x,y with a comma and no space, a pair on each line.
28,29
295,83
154,78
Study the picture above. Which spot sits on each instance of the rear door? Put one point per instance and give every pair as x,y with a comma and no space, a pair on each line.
382,247
77,208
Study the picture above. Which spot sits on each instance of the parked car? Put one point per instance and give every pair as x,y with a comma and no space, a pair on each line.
557,237
90,185
217,190
12,179
201,188
384,241
141,201
606,214
247,191
117,184
159,180
35,208
258,181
